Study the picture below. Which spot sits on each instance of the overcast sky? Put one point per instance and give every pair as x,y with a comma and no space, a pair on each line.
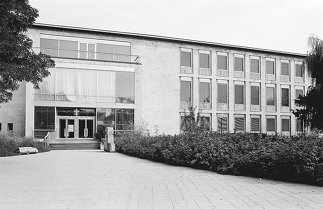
281,25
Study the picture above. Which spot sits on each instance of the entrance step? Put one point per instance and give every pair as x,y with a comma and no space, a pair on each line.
74,146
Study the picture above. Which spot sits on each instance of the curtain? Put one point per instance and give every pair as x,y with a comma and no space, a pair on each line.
205,92
106,86
46,89
86,85
65,84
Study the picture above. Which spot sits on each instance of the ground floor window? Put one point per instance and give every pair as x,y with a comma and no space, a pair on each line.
119,119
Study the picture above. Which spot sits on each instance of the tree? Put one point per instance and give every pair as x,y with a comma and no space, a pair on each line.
310,106
18,61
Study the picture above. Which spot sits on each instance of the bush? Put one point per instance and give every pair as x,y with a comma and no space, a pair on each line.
10,144
295,159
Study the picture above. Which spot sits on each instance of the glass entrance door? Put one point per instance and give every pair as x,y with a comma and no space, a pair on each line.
86,128
66,128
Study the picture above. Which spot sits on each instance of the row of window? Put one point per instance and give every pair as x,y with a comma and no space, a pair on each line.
240,123
205,64
87,86
76,49
9,127
205,92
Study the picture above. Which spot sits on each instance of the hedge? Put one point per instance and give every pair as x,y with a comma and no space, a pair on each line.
293,159
9,144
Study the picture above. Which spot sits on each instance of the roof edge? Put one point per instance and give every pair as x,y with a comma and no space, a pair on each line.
165,38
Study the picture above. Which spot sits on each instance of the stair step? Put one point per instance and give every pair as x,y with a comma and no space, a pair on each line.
74,146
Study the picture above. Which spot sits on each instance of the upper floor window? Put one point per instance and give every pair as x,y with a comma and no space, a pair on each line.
285,97
299,92
222,93
284,68
125,87
270,95
205,93
238,63
186,57
254,65
270,67
239,93
205,61
255,95
299,71
222,62
186,92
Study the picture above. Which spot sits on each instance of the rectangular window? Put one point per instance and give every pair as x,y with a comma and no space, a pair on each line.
10,126
223,121
270,67
254,65
204,60
239,94
44,118
239,123
205,122
49,47
0,126
299,92
91,51
68,49
255,95
124,119
270,95
285,125
285,68
186,92
299,70
285,97
83,51
186,58
222,62
271,124
104,52
238,64
222,93
255,123
205,94
125,87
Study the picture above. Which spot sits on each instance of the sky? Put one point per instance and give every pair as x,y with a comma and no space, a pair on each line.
282,25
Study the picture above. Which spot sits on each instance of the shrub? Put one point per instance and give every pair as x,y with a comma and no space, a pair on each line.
10,144
295,159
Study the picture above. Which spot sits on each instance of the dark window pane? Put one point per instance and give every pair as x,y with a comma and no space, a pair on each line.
239,123
255,124
44,118
222,62
223,124
271,124
285,97
285,68
124,119
68,49
239,94
255,97
125,87
299,70
299,92
205,92
186,91
204,60
222,93
270,67
238,64
49,47
285,125
10,126
254,65
66,111
86,111
186,59
270,95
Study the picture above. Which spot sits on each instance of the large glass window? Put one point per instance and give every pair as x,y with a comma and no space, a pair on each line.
239,123
119,119
186,92
239,94
238,64
49,47
299,92
299,70
271,124
255,95
285,97
86,85
124,119
106,86
255,123
254,65
285,68
44,118
270,95
222,93
223,123
285,125
222,62
65,84
68,49
204,60
205,94
125,87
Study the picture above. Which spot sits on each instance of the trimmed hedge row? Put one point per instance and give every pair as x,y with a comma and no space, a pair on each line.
9,144
294,159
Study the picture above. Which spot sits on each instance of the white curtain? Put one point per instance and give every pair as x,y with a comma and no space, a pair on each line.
86,85
65,84
46,89
106,86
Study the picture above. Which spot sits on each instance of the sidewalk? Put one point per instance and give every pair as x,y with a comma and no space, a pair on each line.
96,179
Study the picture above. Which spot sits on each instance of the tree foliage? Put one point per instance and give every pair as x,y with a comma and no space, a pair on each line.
18,61
310,106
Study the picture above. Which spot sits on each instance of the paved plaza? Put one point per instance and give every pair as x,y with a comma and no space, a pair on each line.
96,179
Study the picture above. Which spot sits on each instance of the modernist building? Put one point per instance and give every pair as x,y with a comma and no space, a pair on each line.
107,78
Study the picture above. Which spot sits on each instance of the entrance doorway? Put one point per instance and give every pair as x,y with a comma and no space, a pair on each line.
76,127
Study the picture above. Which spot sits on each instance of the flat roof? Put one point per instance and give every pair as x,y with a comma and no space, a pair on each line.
162,38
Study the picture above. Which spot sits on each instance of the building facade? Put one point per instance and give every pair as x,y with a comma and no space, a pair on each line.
115,79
